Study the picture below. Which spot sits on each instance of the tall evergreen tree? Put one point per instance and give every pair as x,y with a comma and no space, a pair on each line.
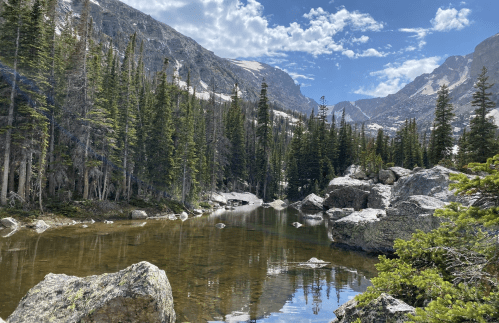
264,140
482,128
442,142
235,134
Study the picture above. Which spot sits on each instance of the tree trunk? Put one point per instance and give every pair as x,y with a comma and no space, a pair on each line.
85,175
10,121
22,176
29,173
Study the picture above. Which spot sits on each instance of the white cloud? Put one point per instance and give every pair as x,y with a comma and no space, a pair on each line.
233,28
395,76
296,76
449,19
362,39
371,52
445,20
349,53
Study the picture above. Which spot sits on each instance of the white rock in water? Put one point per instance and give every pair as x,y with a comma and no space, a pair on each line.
172,217
220,225
40,226
92,221
9,223
139,215
139,293
197,211
84,226
314,263
297,224
108,222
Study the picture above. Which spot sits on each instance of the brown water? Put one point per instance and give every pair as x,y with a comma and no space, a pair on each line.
245,272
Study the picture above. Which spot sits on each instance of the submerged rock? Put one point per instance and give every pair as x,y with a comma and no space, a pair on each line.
9,223
197,211
314,263
296,224
383,309
312,203
220,225
139,215
139,293
317,216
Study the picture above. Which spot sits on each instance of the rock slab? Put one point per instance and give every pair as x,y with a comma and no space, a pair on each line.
139,293
383,309
9,223
139,215
312,203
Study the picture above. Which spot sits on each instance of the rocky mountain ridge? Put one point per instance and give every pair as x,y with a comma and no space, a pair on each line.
417,99
116,21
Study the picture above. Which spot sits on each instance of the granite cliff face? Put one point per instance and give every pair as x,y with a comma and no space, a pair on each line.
115,20
417,99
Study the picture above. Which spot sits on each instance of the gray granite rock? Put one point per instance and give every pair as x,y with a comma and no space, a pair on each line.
379,197
139,293
355,171
218,198
9,223
40,226
347,197
387,177
341,182
317,216
384,309
400,171
312,203
337,213
372,231
432,182
139,215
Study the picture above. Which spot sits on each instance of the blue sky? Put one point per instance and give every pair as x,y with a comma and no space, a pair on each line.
343,49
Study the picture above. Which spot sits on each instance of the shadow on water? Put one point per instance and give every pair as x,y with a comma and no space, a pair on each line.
246,271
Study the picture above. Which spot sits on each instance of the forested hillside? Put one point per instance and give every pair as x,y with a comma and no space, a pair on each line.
82,120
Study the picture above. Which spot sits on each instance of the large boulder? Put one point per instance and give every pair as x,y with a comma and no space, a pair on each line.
9,223
432,182
342,182
218,198
374,230
385,308
387,177
347,197
379,197
139,215
242,198
336,213
355,171
139,293
312,203
400,172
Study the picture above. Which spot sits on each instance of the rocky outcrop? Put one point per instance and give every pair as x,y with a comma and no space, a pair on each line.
355,172
312,203
218,198
336,213
9,223
375,230
400,172
387,177
379,197
241,198
347,197
139,293
139,215
383,309
432,182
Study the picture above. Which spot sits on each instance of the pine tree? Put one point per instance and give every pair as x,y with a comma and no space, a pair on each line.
482,128
442,142
264,138
294,169
14,14
235,134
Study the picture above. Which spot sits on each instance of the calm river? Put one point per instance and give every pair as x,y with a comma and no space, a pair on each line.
246,272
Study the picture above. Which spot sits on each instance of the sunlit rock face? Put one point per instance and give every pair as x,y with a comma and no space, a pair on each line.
139,293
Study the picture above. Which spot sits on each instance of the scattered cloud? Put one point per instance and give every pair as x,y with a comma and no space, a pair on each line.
213,24
349,53
395,76
449,19
445,20
362,39
371,52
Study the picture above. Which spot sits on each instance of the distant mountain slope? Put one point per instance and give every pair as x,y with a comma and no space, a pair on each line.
116,20
417,99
